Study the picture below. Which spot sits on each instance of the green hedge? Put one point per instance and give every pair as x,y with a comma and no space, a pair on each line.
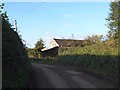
15,63
98,57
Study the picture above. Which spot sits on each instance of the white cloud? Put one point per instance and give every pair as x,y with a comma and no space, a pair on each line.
67,16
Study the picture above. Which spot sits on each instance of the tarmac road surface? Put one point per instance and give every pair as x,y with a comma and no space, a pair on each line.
53,76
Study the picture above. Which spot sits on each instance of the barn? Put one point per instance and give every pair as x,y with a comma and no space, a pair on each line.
55,44
49,52
66,43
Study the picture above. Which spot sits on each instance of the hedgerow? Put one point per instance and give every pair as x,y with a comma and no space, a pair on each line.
98,57
15,63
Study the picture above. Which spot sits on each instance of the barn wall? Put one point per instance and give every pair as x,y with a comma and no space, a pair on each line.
53,52
53,44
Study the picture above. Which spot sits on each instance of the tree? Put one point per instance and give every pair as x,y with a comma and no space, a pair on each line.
3,14
1,7
33,53
39,45
113,20
94,39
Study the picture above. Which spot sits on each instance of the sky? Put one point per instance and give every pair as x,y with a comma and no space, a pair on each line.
66,20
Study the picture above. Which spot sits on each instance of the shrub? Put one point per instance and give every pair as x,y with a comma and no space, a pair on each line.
99,57
15,63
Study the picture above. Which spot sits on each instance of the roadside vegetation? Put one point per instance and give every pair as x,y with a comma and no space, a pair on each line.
15,63
35,52
101,58
98,55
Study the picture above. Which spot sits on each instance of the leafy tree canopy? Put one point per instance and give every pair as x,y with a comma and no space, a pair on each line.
3,14
93,39
113,20
40,44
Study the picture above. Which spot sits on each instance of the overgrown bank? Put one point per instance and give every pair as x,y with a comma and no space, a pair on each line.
100,58
15,63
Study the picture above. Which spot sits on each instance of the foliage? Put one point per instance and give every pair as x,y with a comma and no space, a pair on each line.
93,39
39,45
33,53
102,48
36,51
98,57
1,7
15,63
3,14
113,20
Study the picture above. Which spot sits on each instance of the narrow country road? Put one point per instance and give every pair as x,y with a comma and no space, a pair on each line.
53,76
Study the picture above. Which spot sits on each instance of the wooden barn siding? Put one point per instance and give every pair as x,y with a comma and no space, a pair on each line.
53,52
